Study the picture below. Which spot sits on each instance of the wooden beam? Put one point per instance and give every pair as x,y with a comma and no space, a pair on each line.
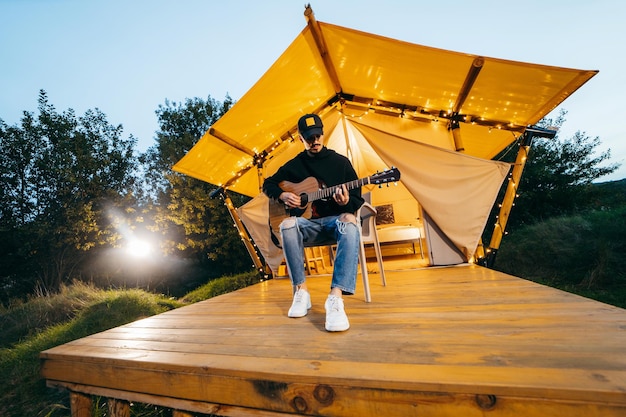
507,201
418,113
231,142
80,404
471,77
178,413
245,237
118,408
322,49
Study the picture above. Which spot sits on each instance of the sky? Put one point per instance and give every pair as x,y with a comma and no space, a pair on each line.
127,57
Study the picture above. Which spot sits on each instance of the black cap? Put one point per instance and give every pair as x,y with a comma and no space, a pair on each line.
309,125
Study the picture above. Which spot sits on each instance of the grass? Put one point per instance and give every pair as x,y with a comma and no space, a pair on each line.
77,311
221,286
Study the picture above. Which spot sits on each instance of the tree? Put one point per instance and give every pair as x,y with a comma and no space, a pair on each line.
191,224
61,175
558,176
20,172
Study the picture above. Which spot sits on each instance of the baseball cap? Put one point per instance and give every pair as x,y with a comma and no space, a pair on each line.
309,125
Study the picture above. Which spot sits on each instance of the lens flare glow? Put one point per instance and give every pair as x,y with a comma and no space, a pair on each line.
139,248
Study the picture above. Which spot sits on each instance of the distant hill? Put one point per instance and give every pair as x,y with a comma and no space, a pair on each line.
610,194
618,184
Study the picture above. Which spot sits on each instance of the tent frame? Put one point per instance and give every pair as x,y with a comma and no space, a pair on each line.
243,233
484,256
487,257
345,102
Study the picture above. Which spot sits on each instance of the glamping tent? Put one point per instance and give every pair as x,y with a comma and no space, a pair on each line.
439,116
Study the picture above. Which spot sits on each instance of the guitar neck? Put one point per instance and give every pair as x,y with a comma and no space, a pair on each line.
328,192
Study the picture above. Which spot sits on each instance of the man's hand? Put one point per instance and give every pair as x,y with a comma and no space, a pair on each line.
291,200
341,195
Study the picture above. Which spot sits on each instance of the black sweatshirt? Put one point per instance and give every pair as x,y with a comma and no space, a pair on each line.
329,168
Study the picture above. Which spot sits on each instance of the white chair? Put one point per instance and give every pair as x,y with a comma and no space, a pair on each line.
369,235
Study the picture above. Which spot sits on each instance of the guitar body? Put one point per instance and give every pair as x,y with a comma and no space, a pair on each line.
279,212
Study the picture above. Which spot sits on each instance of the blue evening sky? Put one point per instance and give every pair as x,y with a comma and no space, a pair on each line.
125,57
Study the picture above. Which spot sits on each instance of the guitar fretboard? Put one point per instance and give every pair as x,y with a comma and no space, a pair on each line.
309,190
329,191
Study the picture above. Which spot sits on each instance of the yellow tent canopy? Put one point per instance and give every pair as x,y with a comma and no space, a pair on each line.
385,102
492,100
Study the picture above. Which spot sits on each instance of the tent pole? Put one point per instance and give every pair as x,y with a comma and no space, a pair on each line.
321,47
466,88
456,135
507,203
348,147
479,255
243,233
258,161
511,192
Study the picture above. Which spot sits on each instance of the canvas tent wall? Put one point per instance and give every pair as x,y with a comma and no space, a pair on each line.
406,95
459,190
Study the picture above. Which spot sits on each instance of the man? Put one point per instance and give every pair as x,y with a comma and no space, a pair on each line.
332,220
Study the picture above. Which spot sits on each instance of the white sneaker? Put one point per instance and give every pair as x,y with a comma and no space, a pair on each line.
336,319
301,304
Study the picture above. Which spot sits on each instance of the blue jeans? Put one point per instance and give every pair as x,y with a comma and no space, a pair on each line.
298,232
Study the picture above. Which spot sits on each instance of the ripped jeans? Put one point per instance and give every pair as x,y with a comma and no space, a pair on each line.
298,232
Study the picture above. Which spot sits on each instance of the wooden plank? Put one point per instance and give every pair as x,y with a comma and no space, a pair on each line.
446,351
514,342
435,405
433,348
118,408
80,404
454,333
199,370
178,413
181,405
338,400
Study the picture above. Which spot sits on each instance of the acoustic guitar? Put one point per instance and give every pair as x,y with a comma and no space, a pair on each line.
310,190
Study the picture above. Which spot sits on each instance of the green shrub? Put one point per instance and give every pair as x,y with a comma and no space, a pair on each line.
582,254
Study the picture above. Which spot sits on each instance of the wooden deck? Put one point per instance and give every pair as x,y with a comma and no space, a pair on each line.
455,341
